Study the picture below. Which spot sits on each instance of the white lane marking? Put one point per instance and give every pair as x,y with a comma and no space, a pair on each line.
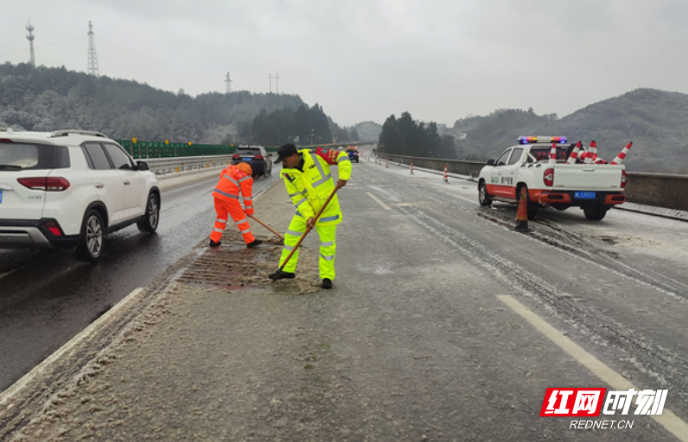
384,206
667,419
38,370
7,273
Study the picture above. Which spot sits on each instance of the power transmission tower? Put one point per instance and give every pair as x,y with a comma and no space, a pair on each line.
229,83
277,82
270,78
92,56
30,37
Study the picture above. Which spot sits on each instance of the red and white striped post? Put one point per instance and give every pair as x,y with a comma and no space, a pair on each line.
446,177
622,155
411,167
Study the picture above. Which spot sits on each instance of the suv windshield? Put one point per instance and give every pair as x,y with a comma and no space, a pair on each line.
21,156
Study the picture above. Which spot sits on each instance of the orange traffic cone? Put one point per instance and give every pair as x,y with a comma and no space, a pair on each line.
522,213
589,158
574,155
622,155
553,154
446,177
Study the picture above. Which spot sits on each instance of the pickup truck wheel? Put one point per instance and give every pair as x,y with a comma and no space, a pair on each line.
92,237
533,209
483,196
595,213
149,222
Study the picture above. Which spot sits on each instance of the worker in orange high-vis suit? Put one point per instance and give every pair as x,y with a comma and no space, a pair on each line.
234,179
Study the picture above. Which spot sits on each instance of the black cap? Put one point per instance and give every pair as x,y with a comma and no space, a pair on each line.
284,151
257,168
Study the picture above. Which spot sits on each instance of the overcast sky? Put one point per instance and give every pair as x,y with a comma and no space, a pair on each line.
440,60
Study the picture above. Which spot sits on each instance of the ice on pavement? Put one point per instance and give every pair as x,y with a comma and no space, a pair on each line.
662,237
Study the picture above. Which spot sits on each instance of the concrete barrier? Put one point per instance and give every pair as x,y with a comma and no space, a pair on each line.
654,189
658,189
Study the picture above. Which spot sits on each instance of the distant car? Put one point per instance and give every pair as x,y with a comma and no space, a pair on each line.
69,188
246,154
353,153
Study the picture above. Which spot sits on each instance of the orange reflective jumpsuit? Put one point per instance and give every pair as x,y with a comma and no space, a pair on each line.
232,180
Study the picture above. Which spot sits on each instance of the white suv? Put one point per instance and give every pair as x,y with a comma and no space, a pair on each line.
69,188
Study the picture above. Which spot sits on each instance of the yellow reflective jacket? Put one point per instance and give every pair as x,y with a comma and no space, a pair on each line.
310,188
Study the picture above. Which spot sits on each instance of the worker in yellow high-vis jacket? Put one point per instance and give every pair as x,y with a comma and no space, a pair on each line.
306,174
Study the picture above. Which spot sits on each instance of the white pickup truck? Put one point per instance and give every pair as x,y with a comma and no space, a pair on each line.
527,167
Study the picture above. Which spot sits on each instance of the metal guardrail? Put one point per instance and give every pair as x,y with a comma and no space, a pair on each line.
163,166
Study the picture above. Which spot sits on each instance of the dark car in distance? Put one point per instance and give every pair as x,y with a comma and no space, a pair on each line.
247,154
353,153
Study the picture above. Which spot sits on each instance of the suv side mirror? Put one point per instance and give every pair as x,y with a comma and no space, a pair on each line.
142,165
490,162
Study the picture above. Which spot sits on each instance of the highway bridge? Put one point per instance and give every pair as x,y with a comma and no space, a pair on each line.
444,324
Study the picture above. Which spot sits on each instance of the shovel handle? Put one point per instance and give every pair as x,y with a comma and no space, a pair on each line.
266,226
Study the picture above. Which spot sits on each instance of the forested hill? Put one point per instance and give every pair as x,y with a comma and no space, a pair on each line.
45,99
656,121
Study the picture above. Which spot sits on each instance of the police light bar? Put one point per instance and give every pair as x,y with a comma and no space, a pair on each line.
533,140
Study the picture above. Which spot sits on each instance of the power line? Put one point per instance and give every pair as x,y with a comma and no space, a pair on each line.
46,37
140,49
44,46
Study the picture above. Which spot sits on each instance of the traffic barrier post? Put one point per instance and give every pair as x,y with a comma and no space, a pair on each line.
522,212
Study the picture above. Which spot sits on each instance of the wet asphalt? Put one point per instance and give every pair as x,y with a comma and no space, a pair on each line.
47,297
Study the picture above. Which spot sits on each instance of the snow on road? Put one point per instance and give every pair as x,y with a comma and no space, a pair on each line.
639,232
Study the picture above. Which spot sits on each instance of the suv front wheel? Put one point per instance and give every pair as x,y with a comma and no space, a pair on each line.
92,237
150,220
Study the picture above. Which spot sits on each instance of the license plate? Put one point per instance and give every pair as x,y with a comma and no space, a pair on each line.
0,196
584,195
248,159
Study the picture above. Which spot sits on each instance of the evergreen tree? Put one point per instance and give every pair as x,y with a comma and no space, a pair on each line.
404,137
